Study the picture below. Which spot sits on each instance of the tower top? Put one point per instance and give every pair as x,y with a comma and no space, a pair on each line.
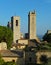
32,12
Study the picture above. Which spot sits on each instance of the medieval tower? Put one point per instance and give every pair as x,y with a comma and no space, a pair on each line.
15,26
32,25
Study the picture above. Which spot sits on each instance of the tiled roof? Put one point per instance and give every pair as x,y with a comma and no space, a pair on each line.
9,53
33,43
17,44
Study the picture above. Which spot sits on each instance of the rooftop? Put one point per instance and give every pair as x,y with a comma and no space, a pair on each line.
9,53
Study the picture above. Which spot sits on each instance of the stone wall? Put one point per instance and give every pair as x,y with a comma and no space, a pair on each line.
39,53
3,46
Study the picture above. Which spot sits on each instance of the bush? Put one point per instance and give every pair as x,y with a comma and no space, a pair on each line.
6,35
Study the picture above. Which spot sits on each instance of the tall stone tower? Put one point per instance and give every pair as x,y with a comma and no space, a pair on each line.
15,26
32,25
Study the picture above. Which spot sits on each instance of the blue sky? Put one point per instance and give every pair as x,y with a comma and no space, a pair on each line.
21,8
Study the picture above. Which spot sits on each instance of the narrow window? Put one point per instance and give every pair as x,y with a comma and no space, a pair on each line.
16,41
16,22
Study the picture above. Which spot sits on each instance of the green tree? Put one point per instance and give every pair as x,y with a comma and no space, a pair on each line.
47,37
6,35
9,63
1,60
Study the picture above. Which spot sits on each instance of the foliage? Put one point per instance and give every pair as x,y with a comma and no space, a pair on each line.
6,35
44,46
1,60
47,37
9,63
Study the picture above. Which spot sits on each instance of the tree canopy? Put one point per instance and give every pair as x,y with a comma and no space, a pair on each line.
47,37
1,60
6,35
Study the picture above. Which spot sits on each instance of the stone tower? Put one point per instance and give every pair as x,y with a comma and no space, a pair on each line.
15,26
32,25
